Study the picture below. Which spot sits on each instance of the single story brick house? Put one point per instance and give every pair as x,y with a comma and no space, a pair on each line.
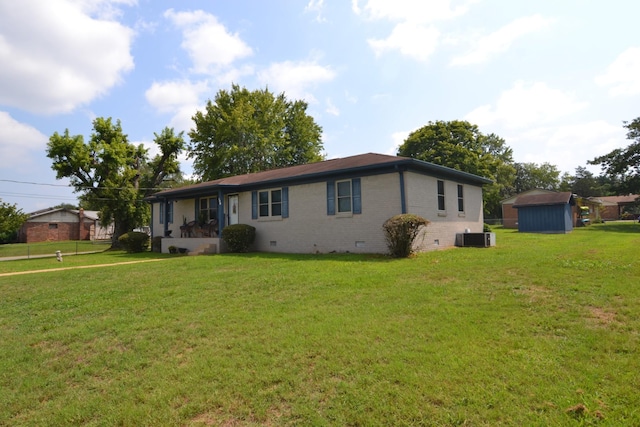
614,207
63,224
337,205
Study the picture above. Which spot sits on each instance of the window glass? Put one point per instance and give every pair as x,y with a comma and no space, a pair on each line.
276,202
460,198
344,196
441,205
263,203
208,209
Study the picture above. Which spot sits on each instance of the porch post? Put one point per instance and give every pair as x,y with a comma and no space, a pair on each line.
166,217
221,215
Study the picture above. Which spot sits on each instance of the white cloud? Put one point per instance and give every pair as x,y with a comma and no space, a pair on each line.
316,6
410,39
208,43
173,95
623,75
566,146
502,39
410,10
17,142
398,139
295,78
331,108
55,56
526,104
414,34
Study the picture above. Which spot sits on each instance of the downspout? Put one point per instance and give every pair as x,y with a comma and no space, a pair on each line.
403,201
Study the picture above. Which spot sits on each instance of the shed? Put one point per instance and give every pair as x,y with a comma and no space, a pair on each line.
545,213
510,214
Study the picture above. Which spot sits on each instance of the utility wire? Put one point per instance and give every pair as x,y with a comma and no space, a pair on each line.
71,186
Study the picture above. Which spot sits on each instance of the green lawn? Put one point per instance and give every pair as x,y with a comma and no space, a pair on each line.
540,330
50,248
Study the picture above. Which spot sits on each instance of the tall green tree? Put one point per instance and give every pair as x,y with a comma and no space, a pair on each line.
531,175
585,184
460,145
622,165
111,174
244,131
11,219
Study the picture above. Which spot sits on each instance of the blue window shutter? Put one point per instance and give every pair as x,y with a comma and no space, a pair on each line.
285,202
254,205
331,198
357,199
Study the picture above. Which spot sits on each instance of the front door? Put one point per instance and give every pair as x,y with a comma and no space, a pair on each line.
232,207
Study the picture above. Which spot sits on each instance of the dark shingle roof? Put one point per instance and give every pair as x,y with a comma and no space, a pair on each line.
315,171
543,199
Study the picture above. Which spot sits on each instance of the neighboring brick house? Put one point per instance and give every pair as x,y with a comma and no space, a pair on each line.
62,224
614,206
338,205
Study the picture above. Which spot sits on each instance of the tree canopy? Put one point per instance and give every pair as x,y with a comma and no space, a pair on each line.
11,219
622,165
460,145
111,174
244,131
531,175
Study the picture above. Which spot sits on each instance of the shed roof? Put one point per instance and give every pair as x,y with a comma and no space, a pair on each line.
370,162
511,200
544,199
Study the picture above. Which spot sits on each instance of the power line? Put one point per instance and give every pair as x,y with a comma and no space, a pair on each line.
71,186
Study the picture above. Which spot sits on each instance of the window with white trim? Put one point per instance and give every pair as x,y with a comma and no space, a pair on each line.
460,198
344,196
208,209
270,203
441,204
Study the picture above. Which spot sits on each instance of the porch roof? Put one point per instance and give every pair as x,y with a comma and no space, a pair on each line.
370,163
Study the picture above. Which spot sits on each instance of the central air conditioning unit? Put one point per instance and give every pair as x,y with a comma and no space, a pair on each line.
476,240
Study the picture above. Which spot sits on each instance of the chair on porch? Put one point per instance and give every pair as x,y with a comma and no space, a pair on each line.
186,230
209,229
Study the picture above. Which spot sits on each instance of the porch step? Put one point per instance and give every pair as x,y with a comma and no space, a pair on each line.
205,249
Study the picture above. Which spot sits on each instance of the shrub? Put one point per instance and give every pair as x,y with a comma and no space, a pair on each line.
134,241
238,237
486,228
400,231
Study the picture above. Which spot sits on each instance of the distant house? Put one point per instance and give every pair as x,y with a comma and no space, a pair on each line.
545,213
510,214
338,205
63,224
614,207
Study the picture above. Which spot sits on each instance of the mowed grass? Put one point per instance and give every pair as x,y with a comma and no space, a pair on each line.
50,248
540,330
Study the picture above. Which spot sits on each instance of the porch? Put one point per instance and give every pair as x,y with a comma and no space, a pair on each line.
194,245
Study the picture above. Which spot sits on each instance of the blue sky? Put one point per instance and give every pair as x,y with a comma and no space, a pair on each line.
555,79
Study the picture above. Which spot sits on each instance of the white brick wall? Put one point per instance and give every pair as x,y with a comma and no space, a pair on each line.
309,229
